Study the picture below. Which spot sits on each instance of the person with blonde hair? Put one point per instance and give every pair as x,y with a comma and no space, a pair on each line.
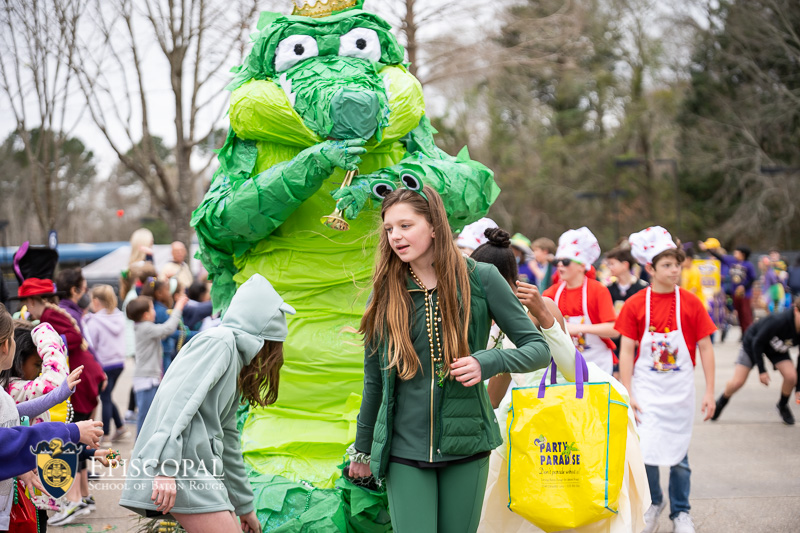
105,327
426,423
142,243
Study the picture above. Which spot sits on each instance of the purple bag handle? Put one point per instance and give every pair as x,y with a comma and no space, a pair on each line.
581,375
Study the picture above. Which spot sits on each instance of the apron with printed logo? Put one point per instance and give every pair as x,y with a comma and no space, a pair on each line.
663,386
591,346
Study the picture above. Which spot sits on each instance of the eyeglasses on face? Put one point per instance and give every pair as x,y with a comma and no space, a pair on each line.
564,261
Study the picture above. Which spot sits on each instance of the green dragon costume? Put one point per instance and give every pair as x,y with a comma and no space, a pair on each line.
323,91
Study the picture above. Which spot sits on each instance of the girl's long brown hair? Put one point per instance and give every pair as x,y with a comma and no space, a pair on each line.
258,381
386,320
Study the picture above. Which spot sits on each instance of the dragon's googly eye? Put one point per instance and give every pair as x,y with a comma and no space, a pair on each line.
293,50
360,42
382,188
411,181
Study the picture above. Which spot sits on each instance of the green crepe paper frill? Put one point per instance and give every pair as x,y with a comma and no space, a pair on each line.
283,506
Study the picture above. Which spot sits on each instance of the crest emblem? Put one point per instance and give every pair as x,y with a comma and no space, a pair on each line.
56,464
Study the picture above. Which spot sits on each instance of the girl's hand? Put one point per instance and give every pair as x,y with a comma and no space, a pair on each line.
180,302
91,431
764,378
531,298
358,470
72,379
466,370
250,522
164,492
30,479
101,457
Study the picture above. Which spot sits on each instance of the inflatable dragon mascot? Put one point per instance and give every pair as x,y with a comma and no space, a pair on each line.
323,91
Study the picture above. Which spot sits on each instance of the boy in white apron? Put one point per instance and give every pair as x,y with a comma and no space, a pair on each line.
669,323
585,303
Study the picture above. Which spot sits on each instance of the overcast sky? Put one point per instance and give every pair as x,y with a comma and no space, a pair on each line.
483,20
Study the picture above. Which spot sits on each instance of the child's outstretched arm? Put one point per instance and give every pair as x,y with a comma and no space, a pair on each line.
551,321
707,359
16,442
54,365
37,406
169,327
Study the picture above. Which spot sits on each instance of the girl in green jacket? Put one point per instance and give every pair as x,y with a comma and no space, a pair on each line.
426,424
187,460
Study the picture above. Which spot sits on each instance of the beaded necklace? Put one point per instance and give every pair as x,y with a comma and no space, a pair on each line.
670,317
661,352
432,315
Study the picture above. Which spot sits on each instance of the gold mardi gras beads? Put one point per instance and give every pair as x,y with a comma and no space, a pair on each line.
433,332
321,8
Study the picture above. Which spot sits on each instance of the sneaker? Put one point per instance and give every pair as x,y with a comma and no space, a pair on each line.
786,414
120,434
651,517
683,523
69,512
722,401
91,505
130,417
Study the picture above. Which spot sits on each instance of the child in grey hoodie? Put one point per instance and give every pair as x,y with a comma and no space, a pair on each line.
149,351
187,460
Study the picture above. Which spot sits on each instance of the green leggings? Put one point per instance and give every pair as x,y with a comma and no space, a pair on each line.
437,500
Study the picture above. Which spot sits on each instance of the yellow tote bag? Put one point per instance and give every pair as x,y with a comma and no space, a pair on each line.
60,412
566,450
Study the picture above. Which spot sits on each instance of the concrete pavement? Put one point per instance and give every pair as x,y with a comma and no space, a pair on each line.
745,466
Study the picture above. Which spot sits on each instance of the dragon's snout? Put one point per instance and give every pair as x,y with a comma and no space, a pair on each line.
354,114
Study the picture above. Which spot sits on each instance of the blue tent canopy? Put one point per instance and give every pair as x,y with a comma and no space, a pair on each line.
69,252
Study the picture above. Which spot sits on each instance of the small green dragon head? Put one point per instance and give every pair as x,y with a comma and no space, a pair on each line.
338,76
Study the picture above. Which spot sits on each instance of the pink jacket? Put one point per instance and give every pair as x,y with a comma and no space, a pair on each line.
54,369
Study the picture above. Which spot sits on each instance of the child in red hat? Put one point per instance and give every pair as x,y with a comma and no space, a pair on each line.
32,293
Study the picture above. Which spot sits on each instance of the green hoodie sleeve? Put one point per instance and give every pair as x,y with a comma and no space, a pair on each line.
235,478
370,401
532,352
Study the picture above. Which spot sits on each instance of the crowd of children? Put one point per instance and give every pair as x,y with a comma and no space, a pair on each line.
64,325
641,318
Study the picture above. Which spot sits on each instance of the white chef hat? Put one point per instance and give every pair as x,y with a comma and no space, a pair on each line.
579,245
650,242
472,235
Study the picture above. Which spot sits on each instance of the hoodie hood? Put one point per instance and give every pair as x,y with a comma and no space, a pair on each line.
256,314
113,323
